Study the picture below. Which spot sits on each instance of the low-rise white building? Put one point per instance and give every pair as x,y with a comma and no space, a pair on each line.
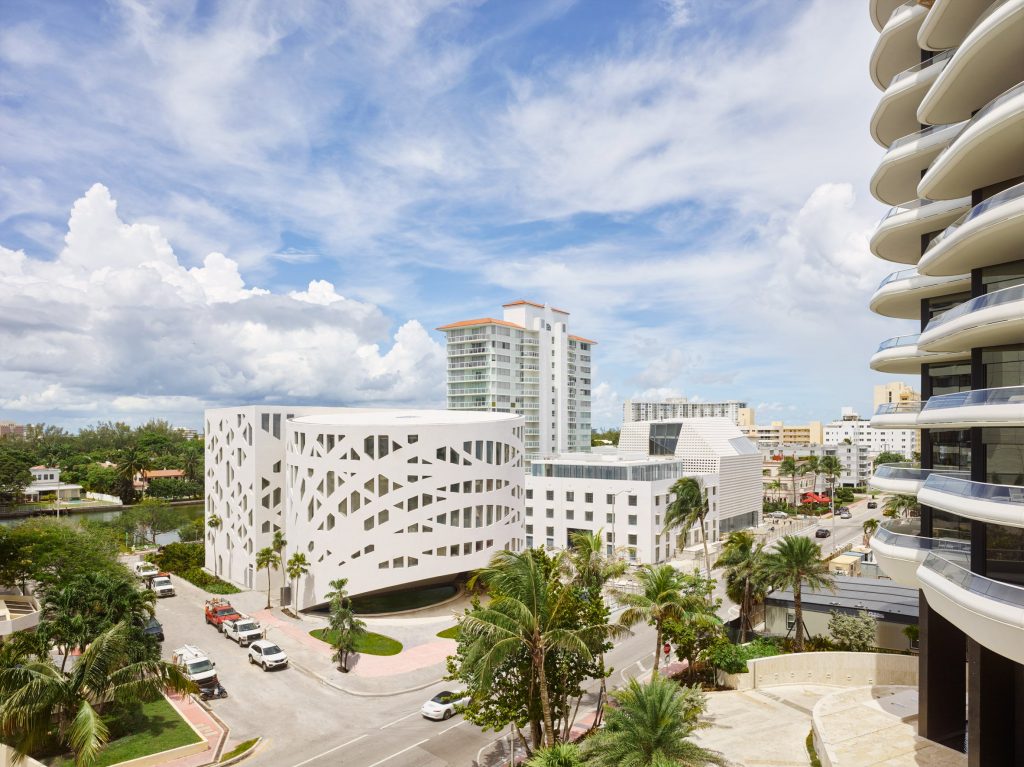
851,427
46,483
385,498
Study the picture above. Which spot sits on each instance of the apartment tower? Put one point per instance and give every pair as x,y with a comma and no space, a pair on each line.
951,120
526,363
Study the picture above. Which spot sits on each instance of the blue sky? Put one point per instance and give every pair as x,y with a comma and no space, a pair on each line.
209,203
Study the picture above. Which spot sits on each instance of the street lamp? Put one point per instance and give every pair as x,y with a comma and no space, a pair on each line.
615,537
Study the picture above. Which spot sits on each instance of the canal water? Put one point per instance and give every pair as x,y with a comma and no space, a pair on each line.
105,515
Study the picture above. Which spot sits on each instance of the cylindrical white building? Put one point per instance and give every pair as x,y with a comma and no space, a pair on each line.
396,498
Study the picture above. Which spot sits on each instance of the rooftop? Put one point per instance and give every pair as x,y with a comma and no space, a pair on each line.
400,417
882,599
481,321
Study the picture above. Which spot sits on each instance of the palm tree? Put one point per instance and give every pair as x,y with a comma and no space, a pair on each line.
131,462
344,627
38,700
278,544
900,505
558,755
870,525
689,507
831,467
297,566
795,562
791,468
192,459
662,599
267,558
746,577
527,612
649,727
812,465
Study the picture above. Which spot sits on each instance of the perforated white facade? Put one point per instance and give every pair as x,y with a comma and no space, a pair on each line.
385,498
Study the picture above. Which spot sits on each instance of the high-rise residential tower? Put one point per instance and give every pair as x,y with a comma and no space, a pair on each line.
525,363
951,119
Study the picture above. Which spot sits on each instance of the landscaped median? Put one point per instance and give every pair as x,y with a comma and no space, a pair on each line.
367,644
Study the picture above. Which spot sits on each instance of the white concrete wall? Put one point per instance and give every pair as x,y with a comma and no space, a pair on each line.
843,669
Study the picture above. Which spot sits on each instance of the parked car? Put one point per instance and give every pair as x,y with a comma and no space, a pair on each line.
196,665
822,532
777,515
161,584
146,570
845,514
872,504
154,629
443,705
244,631
267,655
219,611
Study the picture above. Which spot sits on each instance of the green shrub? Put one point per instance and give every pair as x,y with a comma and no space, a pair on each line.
209,583
732,658
178,557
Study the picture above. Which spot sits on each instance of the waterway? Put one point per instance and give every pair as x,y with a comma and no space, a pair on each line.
106,515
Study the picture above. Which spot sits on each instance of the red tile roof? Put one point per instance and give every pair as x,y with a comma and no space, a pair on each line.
481,321
155,473
521,302
582,339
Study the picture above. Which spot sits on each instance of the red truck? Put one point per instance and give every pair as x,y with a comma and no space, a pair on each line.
219,612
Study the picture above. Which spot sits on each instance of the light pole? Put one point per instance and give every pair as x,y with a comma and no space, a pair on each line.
615,535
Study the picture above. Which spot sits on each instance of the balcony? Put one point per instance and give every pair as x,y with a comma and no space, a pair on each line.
990,233
899,549
896,415
993,319
1003,406
901,355
896,47
986,152
989,611
900,170
996,504
881,10
900,294
907,478
17,613
895,115
897,237
948,23
987,62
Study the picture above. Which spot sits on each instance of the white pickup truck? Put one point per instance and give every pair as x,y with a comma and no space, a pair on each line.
244,631
162,585
146,570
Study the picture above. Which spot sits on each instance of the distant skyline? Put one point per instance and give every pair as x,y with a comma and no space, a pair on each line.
204,206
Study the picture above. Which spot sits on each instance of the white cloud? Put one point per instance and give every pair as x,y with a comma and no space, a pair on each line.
115,323
679,12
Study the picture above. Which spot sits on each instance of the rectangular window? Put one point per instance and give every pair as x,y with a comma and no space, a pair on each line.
588,497
570,496
632,520
609,518
550,495
609,499
569,514
588,516
632,500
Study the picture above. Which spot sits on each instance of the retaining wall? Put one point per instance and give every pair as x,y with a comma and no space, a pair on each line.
842,669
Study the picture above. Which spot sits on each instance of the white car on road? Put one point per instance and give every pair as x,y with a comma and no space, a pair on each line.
444,705
267,655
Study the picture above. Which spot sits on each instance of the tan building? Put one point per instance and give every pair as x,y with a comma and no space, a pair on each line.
778,433
11,429
895,391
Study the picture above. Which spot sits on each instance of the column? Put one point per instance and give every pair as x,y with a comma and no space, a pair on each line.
942,683
995,709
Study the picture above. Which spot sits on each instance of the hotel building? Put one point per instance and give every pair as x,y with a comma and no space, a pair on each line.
679,407
951,121
526,363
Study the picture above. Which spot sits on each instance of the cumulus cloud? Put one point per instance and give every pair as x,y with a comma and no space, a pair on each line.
116,324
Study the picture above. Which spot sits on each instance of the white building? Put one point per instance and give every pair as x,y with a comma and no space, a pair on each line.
526,363
707,446
385,498
619,495
679,407
46,482
860,432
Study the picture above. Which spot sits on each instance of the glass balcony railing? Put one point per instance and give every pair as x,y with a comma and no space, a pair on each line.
995,298
890,343
914,473
1003,395
974,583
938,58
907,535
897,408
1013,193
981,113
902,274
1012,495
952,128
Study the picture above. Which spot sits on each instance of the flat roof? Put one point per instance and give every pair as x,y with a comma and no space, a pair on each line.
403,417
880,598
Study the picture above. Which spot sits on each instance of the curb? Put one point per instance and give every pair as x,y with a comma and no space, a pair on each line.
226,730
245,754
327,683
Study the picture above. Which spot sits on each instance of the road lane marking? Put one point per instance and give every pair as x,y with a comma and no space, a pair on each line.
452,727
397,753
401,719
332,750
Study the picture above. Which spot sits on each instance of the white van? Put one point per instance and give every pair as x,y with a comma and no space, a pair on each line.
196,665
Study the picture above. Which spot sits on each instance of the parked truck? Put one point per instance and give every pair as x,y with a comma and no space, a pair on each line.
244,631
195,664
161,584
145,570
219,611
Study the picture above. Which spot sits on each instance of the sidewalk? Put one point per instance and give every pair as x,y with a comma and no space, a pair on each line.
208,727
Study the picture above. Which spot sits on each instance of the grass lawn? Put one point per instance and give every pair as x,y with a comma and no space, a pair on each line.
449,633
243,746
161,729
368,644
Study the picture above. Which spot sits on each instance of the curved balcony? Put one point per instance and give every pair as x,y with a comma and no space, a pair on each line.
899,549
881,10
948,23
897,237
901,355
988,62
900,170
986,152
989,234
900,294
896,47
996,504
907,478
994,319
896,415
896,113
989,611
1003,406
